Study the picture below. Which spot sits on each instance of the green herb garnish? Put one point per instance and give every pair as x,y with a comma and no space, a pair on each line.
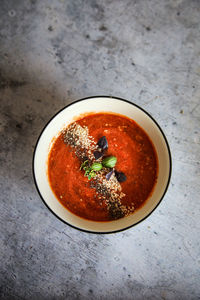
96,166
89,171
84,165
109,162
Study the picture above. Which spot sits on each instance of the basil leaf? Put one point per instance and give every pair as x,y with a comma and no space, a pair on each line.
103,143
109,162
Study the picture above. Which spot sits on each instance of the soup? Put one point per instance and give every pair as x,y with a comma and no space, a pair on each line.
102,167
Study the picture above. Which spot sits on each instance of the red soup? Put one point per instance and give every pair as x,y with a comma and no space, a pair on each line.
102,167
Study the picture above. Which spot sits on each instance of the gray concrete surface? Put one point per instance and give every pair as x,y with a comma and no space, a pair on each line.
54,52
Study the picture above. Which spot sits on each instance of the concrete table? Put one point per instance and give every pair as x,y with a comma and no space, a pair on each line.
52,53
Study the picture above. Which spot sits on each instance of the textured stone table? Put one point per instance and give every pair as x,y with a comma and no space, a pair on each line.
52,53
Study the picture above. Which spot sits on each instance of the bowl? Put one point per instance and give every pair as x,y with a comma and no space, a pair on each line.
101,104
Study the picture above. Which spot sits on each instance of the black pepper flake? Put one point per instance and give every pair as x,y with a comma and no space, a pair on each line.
115,212
98,154
70,139
84,158
101,189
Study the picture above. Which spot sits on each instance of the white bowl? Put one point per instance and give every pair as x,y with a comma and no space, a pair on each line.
65,117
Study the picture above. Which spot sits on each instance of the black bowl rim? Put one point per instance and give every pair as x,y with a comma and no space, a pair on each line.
169,153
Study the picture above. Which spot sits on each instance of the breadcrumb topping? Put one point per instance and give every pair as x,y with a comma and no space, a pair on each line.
108,191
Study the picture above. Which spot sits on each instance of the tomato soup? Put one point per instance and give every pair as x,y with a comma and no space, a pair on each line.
102,167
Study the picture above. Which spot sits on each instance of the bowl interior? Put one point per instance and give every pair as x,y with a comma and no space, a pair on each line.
68,115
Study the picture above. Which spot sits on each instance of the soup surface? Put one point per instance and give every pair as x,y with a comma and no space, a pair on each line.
123,183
